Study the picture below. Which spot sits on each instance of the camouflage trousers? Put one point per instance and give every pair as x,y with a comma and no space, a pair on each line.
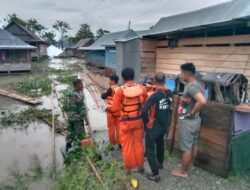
76,131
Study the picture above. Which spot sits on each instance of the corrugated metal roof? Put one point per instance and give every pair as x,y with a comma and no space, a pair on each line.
137,34
82,43
221,13
142,32
8,41
106,40
28,31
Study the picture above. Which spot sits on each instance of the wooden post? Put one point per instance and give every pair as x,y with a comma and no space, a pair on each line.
174,118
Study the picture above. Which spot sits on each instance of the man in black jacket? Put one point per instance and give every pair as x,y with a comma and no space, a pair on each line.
155,116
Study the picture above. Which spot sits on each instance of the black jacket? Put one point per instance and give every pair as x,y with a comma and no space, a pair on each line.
156,110
106,94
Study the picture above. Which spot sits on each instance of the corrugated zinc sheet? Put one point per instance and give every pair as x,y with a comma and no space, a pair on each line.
82,43
106,40
96,58
8,41
32,35
110,57
224,12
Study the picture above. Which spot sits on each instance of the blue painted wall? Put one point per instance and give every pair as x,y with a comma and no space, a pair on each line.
96,58
110,57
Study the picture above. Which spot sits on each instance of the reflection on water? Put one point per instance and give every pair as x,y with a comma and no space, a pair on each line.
19,144
63,63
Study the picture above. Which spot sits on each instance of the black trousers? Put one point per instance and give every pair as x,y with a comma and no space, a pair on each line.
154,141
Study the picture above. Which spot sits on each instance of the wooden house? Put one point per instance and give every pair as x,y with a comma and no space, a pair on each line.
15,54
215,39
30,38
74,51
102,52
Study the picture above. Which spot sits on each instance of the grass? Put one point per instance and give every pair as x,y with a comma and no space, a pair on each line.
39,82
20,180
66,78
36,170
24,117
41,85
33,86
79,175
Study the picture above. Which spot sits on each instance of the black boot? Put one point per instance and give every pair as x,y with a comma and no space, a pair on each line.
153,177
68,146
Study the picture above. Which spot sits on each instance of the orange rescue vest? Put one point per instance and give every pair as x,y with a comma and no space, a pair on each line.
132,103
110,100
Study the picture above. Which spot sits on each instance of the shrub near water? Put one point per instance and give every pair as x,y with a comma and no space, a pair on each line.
79,175
67,78
24,117
33,86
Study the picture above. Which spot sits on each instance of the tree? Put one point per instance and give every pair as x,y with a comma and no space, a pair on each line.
33,25
100,32
83,32
62,27
14,18
49,37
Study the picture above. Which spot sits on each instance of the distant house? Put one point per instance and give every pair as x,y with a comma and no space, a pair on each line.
74,51
15,54
102,52
29,37
215,39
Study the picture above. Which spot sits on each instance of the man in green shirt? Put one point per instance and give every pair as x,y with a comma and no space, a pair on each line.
76,112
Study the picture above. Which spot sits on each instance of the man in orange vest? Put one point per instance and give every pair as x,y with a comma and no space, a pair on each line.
129,100
156,112
112,117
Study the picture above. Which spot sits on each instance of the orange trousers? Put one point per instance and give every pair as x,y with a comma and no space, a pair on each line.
113,128
131,138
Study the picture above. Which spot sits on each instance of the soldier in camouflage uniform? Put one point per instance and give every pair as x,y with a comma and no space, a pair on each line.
76,112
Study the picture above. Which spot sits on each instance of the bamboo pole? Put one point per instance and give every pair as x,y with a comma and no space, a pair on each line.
53,133
94,170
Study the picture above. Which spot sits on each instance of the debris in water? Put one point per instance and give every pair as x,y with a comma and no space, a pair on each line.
20,97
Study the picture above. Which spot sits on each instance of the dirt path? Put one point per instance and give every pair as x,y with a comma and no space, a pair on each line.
198,180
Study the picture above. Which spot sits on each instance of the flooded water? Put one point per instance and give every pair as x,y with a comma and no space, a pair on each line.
20,143
63,63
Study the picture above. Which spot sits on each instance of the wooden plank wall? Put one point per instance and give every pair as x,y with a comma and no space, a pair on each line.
209,56
214,139
147,57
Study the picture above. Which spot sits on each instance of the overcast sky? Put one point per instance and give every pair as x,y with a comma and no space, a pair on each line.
112,15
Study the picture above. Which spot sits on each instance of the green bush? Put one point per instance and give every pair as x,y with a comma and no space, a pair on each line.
33,86
79,175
